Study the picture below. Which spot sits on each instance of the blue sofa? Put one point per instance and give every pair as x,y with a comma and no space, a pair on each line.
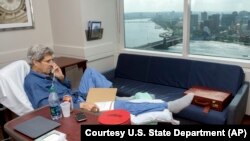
168,78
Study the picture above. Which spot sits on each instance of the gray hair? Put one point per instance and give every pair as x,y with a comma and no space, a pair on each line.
37,53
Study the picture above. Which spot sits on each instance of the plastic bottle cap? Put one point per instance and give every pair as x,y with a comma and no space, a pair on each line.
52,89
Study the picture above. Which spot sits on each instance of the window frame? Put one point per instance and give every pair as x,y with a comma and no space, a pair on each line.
186,32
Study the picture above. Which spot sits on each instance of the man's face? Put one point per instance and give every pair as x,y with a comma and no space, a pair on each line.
45,66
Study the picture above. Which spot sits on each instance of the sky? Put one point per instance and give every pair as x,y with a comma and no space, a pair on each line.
177,5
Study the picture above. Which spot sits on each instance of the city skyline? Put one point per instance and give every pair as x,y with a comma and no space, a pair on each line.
177,5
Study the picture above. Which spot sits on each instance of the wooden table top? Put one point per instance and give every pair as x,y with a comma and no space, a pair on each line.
69,125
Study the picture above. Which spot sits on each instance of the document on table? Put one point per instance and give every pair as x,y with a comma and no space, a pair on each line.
105,105
54,135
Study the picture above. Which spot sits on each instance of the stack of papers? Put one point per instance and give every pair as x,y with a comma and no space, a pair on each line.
53,136
103,97
105,106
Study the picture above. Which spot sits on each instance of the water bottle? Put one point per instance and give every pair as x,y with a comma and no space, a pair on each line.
54,103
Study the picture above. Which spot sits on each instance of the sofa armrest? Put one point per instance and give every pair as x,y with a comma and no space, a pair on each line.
110,74
237,107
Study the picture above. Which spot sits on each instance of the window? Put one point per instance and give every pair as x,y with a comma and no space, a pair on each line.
219,28
153,25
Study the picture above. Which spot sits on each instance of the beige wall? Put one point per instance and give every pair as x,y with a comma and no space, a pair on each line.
61,24
69,30
14,44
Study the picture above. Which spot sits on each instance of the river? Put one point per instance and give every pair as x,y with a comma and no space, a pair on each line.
143,31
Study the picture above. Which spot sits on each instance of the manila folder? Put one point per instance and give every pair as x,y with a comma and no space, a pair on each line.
101,94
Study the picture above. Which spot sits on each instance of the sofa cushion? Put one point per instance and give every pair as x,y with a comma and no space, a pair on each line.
127,87
217,76
169,71
133,67
195,113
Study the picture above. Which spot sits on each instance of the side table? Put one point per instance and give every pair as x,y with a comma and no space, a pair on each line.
64,62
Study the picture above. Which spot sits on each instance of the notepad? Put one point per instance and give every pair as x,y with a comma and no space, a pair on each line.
36,126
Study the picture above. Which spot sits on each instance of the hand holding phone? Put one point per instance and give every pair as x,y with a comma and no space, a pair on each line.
57,72
80,117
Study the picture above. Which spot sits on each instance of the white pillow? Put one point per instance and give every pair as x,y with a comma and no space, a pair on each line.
12,93
153,118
